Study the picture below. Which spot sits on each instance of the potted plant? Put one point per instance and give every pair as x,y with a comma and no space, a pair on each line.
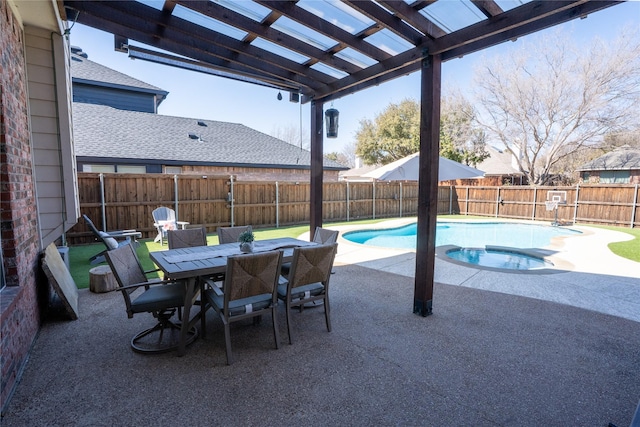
246,239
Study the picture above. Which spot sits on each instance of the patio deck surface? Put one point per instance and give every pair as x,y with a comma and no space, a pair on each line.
484,358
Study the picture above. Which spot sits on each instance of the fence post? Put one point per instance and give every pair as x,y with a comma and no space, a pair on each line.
277,206
575,208
348,197
633,206
450,199
497,202
374,199
231,199
175,195
102,204
400,199
535,197
466,211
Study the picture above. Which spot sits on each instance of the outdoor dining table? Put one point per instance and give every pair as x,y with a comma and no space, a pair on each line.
194,262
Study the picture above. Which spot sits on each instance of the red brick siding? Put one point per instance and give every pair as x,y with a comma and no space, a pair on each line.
259,174
20,317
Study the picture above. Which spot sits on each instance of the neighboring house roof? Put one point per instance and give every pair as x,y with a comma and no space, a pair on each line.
88,72
624,158
356,173
499,162
101,132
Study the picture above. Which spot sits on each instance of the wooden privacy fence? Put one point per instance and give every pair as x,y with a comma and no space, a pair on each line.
124,201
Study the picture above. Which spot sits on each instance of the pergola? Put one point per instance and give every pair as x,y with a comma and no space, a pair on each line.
323,50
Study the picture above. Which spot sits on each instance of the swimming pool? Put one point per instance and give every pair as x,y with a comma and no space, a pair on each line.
498,258
465,234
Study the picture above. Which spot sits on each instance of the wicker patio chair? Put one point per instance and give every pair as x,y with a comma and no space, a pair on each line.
250,290
188,238
230,234
322,236
308,280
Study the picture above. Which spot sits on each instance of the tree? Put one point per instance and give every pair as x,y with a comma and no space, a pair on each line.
460,138
346,157
290,134
395,133
338,157
544,105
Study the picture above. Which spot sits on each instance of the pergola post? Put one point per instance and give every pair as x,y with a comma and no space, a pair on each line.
315,187
430,78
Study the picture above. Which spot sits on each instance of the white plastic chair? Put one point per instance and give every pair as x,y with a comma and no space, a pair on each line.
164,219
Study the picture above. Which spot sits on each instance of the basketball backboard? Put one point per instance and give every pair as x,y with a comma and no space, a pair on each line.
559,197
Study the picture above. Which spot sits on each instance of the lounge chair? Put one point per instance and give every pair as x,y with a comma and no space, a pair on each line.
111,239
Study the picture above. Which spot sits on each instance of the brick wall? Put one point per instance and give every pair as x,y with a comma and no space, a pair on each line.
20,315
260,174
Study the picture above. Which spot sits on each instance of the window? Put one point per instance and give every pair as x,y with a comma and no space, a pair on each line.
99,168
615,177
173,170
131,169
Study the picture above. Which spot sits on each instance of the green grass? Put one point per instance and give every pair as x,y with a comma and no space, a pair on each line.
629,249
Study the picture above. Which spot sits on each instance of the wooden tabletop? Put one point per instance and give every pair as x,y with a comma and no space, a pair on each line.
207,260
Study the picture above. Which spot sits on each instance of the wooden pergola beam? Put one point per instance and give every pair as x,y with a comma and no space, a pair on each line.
430,94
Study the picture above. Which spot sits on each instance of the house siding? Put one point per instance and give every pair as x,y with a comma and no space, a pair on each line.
116,98
19,317
47,59
593,177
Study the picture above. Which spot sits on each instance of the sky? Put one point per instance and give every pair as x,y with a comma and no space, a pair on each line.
201,96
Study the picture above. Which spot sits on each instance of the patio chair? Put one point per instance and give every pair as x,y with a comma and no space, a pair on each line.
230,234
187,238
308,280
111,239
250,290
164,219
160,298
322,236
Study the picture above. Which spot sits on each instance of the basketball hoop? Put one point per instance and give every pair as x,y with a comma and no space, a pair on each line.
551,205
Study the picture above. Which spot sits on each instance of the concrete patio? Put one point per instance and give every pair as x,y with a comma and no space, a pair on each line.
485,357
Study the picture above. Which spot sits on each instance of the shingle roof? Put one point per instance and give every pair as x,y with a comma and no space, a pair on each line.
101,131
498,163
624,158
86,71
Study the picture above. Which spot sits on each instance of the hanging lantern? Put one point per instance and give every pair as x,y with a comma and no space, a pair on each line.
331,118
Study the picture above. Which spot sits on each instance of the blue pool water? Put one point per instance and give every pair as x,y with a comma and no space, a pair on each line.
465,234
498,259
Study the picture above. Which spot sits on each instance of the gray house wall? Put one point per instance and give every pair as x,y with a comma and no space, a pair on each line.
51,138
116,98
